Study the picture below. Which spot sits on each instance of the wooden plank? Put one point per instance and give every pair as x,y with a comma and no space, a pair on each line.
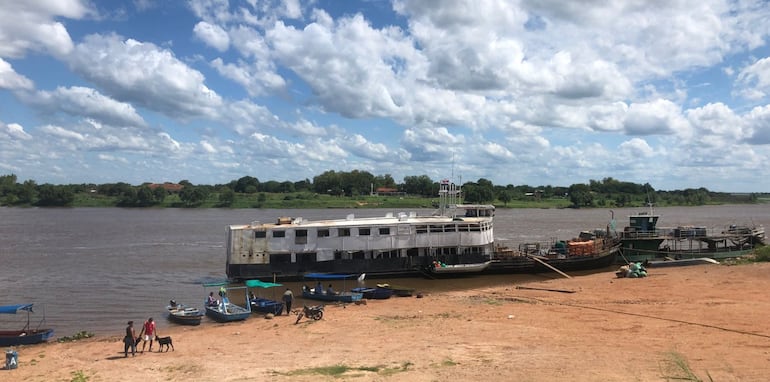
551,266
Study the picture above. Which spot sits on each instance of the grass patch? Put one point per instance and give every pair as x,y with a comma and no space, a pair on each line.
676,368
448,362
762,254
345,370
79,376
77,336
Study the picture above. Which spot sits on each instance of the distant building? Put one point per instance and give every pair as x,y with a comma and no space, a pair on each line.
386,191
171,188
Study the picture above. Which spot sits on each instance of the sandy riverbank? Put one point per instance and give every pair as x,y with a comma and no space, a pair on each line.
710,318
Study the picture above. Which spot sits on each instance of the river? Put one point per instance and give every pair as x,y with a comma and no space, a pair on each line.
93,269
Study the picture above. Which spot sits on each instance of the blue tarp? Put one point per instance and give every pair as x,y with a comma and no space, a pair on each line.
329,276
12,309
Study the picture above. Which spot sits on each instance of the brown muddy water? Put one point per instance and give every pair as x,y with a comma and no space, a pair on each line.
93,269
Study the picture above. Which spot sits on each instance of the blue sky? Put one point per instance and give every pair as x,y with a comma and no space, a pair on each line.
675,94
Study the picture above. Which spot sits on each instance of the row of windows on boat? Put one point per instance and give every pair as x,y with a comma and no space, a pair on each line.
381,231
311,257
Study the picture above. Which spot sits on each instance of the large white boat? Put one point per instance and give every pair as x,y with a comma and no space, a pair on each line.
402,244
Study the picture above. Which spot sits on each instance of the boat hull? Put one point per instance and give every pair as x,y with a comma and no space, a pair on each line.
527,265
185,316
679,263
339,297
374,293
229,314
398,291
266,306
24,337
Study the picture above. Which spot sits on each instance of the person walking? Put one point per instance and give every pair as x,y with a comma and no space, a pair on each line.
149,333
288,298
129,340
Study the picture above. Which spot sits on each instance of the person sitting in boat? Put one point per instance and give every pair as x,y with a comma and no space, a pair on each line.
211,300
330,290
319,289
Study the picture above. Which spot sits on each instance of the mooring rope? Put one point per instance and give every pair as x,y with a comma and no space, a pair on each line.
663,319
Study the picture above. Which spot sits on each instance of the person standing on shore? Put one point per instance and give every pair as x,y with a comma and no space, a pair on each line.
149,333
288,298
129,340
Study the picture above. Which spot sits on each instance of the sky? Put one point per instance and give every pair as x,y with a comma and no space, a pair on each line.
524,92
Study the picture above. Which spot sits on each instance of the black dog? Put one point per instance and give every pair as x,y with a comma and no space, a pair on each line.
164,341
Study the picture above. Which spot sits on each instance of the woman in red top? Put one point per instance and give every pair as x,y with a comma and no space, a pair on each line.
149,333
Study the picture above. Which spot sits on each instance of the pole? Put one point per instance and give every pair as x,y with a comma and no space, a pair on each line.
550,266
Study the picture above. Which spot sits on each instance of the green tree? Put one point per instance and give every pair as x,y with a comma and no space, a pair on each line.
192,196
505,197
580,195
226,197
52,195
419,185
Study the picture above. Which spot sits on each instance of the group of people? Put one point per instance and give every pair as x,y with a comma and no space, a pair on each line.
149,331
319,289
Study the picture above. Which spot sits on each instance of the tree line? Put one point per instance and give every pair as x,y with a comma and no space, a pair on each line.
607,192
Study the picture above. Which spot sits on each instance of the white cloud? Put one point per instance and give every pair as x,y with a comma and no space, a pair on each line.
716,119
660,117
758,126
144,74
255,79
31,25
430,144
213,35
13,131
9,79
636,148
754,80
87,103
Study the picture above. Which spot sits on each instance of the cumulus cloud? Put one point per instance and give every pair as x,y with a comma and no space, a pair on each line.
430,144
144,74
13,131
9,79
637,148
758,125
32,25
656,117
87,103
212,35
754,80
716,119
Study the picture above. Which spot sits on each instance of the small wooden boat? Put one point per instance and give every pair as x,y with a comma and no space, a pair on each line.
441,269
227,311
310,294
318,293
399,291
27,335
183,315
679,262
374,293
261,304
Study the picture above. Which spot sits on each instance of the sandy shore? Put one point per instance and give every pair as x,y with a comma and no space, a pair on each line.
702,322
